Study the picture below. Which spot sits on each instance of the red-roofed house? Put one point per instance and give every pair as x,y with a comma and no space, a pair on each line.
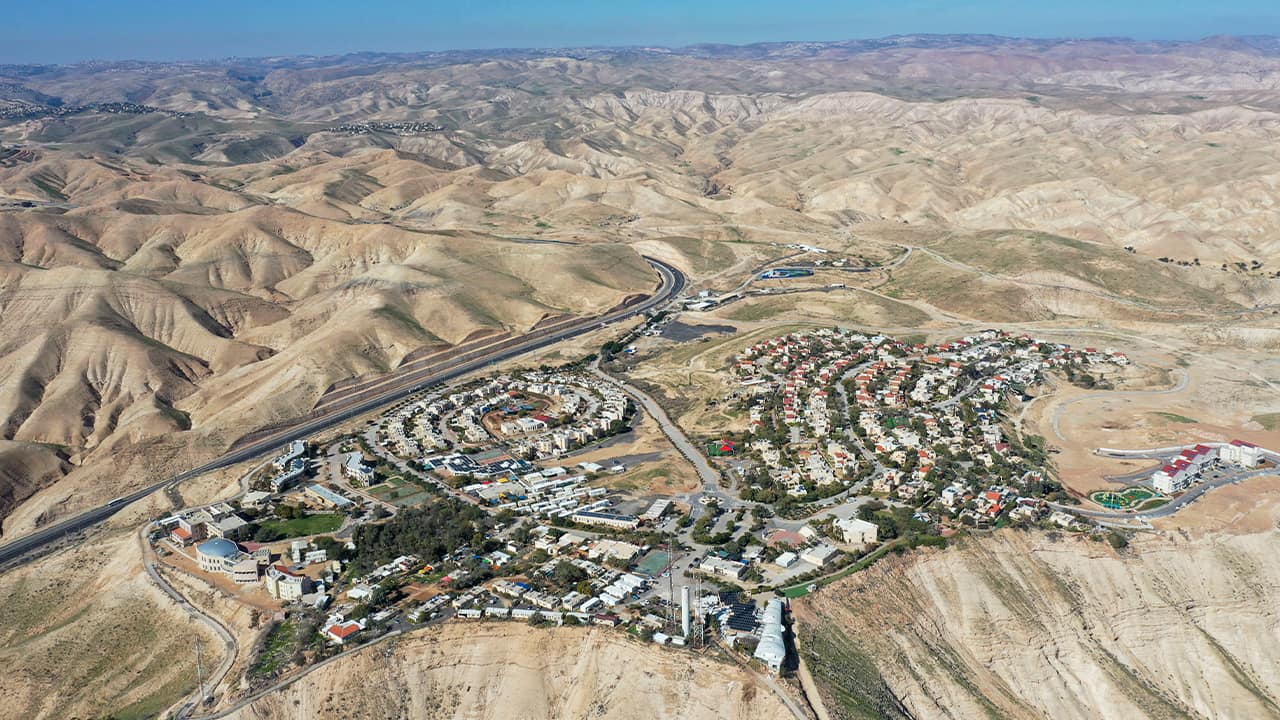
1241,452
339,632
1174,477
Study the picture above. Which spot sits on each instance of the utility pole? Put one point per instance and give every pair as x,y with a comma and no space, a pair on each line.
199,674
671,582
697,616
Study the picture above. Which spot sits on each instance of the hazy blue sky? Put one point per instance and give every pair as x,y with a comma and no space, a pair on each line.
72,30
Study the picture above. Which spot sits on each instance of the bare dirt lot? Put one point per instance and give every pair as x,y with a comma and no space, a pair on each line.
1252,506
84,633
1156,404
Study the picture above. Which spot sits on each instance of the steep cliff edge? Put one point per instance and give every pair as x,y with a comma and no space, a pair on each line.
1030,625
512,671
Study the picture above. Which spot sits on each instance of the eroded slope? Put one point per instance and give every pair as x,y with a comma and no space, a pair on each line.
1020,625
501,671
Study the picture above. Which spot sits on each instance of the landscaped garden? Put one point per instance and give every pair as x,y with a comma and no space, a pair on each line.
1126,499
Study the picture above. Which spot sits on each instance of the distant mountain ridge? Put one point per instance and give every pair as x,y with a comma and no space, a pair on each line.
229,238
1267,45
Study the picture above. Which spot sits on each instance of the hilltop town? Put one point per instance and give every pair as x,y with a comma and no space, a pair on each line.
920,376
468,502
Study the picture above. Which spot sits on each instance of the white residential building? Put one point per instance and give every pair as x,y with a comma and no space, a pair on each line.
857,532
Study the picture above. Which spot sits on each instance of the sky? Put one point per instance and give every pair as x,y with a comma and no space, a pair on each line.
62,31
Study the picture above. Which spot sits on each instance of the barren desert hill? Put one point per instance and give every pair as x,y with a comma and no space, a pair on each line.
86,634
915,65
509,670
1181,184
1022,625
222,323
192,251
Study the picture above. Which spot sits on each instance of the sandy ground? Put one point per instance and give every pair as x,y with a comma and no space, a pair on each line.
1146,411
669,476
510,671
644,438
254,596
1252,506
570,350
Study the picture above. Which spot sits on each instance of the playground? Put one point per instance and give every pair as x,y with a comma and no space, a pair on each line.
721,448
1126,499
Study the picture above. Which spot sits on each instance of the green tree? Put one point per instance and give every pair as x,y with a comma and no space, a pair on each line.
566,573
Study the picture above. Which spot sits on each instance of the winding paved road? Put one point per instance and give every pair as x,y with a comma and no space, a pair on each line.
672,283
710,476
231,647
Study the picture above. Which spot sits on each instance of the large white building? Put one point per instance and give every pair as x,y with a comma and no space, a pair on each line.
772,650
355,468
223,556
857,532
296,450
819,555
724,568
592,517
1173,478
285,585
1242,453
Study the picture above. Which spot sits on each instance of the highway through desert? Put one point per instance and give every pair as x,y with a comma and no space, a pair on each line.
384,393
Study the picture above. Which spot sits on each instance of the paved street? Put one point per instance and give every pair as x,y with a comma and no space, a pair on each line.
672,282
1186,498
709,476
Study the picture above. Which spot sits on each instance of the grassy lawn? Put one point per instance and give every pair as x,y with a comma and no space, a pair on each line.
309,525
400,492
1123,499
1155,502
276,652
408,498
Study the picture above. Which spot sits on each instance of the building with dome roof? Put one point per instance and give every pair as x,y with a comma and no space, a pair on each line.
772,650
220,555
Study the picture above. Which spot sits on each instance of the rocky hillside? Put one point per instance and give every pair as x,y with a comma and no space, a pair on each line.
192,252
1020,625
85,634
508,671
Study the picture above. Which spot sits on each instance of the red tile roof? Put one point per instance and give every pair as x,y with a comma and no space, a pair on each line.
343,631
285,569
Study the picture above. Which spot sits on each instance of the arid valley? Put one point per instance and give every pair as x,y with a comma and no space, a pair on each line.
441,385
